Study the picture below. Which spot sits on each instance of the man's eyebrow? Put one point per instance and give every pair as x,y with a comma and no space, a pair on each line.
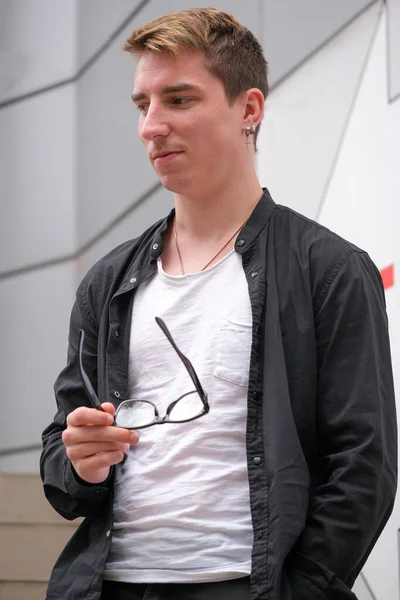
172,89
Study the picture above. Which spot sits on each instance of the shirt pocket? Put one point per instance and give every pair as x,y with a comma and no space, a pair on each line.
232,353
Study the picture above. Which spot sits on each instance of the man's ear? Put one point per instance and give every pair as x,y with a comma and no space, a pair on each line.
253,108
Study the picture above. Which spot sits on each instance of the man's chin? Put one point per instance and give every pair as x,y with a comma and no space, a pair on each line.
175,184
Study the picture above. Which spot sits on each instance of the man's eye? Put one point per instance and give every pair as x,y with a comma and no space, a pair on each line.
142,108
181,100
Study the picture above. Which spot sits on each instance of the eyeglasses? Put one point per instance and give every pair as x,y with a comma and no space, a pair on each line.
138,414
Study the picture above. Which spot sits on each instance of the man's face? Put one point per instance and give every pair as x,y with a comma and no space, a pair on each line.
193,137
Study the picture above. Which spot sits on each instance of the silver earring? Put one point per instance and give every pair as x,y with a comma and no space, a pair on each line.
249,130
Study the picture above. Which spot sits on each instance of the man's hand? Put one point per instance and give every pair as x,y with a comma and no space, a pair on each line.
93,444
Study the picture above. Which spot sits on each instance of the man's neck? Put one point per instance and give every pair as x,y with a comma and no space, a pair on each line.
216,213
206,225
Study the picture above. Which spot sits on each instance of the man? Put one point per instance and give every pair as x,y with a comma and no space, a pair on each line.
275,476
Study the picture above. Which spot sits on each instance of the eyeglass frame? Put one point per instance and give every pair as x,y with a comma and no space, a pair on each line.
95,401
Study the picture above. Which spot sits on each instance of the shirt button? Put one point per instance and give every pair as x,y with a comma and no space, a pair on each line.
256,395
117,394
257,460
116,333
108,533
241,242
257,328
254,274
155,246
133,280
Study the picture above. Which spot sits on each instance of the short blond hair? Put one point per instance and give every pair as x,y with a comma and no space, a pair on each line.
233,54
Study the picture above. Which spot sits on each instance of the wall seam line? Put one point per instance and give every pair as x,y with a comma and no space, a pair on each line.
368,586
20,450
349,116
87,245
325,43
82,70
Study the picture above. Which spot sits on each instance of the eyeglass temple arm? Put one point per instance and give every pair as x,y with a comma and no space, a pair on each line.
88,386
184,359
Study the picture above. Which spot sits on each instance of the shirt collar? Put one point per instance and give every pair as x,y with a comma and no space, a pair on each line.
257,221
157,242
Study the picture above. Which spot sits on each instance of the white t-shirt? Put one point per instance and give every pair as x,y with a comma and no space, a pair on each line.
181,508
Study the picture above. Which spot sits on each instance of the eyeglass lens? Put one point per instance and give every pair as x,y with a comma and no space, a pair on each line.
133,414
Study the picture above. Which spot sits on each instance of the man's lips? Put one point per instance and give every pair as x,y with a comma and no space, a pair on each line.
164,157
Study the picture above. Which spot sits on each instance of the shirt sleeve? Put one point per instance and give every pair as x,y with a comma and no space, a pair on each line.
66,491
357,435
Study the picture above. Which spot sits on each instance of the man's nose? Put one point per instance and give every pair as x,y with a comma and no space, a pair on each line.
154,123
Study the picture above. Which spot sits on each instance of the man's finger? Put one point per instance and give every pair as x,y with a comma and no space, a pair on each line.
108,407
89,416
95,433
78,452
98,461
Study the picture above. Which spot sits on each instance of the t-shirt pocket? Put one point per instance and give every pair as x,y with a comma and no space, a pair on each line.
232,355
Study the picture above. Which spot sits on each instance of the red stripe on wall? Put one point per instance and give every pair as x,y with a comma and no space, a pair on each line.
387,275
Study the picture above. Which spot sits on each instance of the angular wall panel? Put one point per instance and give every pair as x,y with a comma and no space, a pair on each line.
37,174
112,166
306,116
37,44
293,30
362,199
362,204
155,207
34,316
97,20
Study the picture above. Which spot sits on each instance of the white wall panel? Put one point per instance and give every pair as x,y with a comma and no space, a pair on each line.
306,115
362,205
37,44
37,174
113,166
34,316
154,208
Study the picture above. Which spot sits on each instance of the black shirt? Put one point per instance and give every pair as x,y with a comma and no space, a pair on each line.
321,429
